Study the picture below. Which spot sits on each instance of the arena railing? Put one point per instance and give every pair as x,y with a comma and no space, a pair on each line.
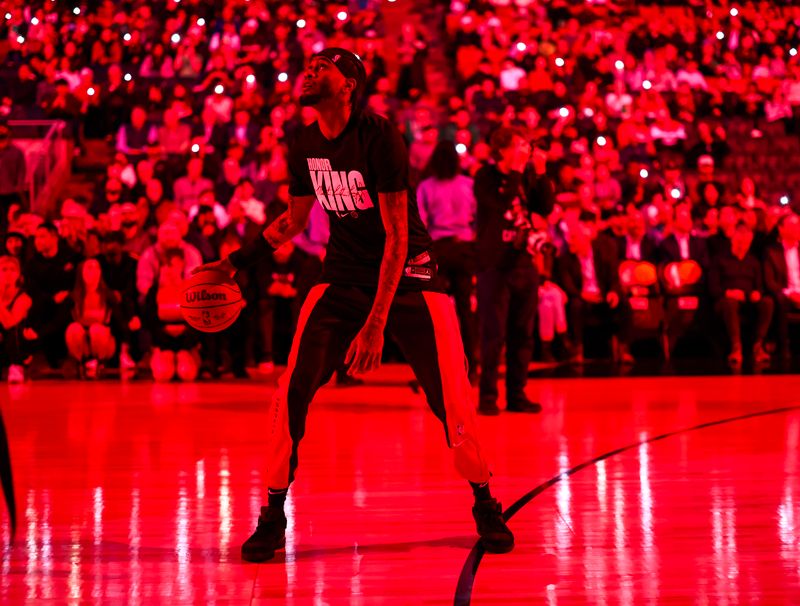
48,152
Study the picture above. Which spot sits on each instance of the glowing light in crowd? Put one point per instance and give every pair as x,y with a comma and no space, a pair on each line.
563,112
77,10
601,141
522,47
734,11
90,91
8,16
793,52
784,200
35,21
461,148
619,64
559,62
341,15
720,35
128,78
675,193
283,77
201,22
176,37
219,89
195,148
588,112
643,173
251,79
21,39
301,23
646,85
127,37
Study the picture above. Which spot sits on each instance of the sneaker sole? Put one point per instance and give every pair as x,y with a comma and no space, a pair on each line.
496,549
257,557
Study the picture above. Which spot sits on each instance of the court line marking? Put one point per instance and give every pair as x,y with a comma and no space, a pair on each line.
466,580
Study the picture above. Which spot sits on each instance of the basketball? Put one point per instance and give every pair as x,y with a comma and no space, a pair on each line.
211,301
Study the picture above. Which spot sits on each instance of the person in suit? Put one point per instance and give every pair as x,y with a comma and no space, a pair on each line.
736,284
587,272
681,244
637,244
782,277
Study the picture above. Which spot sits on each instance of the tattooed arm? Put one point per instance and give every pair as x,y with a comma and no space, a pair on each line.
276,234
365,352
291,222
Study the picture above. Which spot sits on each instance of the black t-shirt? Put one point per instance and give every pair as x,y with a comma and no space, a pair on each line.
346,174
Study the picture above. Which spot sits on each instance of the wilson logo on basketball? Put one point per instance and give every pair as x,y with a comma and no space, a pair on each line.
204,295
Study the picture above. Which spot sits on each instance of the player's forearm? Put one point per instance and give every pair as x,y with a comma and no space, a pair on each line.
282,229
394,259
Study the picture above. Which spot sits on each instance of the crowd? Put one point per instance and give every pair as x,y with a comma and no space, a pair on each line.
635,111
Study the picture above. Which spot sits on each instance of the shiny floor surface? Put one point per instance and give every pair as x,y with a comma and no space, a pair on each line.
624,491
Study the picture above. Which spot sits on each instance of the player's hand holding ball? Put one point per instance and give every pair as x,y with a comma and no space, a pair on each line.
211,298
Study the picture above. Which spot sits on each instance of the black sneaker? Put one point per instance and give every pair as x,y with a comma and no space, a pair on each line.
269,536
523,404
495,535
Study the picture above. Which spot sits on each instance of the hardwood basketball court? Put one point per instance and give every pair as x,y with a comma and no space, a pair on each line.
624,491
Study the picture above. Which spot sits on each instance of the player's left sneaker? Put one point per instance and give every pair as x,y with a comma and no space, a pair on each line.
269,536
495,535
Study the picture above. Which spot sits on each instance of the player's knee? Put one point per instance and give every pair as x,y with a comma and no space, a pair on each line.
163,365
187,366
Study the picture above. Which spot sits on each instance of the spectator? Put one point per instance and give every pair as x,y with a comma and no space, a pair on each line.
447,207
737,287
154,258
507,277
50,277
188,188
587,272
95,308
135,138
12,176
14,307
174,342
682,244
782,278
119,274
637,244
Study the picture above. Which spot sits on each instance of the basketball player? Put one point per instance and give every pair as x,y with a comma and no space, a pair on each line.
378,276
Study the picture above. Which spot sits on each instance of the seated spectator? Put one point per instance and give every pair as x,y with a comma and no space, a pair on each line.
736,285
49,278
607,190
112,194
16,245
135,138
782,277
188,188
637,244
708,145
682,244
14,307
119,274
173,137
746,198
720,242
174,342
154,258
95,309
587,272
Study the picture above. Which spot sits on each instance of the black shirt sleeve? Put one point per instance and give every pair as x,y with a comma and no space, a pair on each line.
388,159
299,177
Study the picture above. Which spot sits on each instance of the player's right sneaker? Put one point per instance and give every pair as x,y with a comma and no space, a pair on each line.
269,536
496,536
